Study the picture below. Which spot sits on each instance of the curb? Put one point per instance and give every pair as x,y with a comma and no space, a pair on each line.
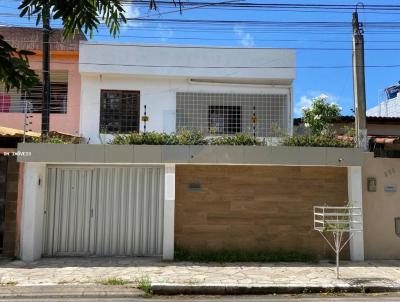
69,291
176,289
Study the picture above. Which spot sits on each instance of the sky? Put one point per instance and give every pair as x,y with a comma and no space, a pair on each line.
336,42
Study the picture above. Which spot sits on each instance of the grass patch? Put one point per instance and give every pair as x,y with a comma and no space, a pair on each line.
114,281
242,256
144,284
9,283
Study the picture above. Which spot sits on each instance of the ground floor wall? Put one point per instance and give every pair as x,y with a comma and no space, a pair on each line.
215,207
255,207
381,207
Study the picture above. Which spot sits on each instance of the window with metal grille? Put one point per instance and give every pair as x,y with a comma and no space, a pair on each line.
119,111
15,101
224,119
230,113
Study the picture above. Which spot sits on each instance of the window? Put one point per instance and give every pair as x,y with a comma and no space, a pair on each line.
230,113
119,111
58,98
14,101
224,119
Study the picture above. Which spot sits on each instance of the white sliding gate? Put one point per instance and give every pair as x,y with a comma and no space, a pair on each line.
104,211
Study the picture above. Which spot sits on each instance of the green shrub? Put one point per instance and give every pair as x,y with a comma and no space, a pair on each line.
184,137
238,139
57,139
114,281
327,140
135,138
144,284
187,137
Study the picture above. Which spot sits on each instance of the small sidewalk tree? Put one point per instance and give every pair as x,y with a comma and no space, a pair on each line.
337,221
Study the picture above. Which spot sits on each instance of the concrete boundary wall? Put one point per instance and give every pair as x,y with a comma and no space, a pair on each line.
381,207
252,155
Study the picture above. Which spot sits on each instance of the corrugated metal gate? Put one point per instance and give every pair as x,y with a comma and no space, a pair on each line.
104,211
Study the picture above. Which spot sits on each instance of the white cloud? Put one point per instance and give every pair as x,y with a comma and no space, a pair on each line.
306,100
246,39
131,12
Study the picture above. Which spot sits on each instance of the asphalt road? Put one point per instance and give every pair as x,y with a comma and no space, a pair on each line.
313,298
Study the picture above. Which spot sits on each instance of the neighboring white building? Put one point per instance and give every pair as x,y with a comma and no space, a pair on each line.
388,108
211,89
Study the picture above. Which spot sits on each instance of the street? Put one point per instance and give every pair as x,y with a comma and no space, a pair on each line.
269,298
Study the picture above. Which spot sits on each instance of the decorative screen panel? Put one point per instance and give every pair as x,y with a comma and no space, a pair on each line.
220,113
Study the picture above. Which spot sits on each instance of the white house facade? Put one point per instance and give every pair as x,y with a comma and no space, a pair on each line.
212,90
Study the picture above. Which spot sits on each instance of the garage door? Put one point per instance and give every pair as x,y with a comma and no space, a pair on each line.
104,211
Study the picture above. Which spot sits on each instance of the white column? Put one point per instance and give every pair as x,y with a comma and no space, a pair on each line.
354,180
169,212
33,197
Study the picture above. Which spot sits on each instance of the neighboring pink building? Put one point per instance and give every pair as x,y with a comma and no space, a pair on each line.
65,80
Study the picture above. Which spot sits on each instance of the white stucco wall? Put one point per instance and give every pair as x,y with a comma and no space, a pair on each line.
187,61
133,67
32,211
158,94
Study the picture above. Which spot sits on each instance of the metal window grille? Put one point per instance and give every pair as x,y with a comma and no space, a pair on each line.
119,111
228,113
14,101
224,119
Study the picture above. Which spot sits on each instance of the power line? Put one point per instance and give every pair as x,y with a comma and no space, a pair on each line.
256,29
221,47
280,5
213,39
227,67
294,24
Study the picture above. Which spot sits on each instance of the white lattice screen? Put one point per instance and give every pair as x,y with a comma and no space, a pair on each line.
220,113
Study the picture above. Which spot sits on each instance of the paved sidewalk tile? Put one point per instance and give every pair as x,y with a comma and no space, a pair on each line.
51,271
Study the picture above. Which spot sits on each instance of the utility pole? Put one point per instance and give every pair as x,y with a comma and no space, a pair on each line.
46,89
359,84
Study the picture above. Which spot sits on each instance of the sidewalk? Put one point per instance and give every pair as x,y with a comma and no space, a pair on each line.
202,278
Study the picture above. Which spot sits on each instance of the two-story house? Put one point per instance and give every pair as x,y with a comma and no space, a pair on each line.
144,200
64,77
19,108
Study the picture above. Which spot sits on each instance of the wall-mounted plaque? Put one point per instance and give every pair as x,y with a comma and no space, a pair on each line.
391,188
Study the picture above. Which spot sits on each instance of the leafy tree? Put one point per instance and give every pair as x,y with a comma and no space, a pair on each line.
77,15
14,67
320,115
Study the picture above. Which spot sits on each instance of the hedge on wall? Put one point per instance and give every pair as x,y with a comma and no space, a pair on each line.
183,138
326,140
